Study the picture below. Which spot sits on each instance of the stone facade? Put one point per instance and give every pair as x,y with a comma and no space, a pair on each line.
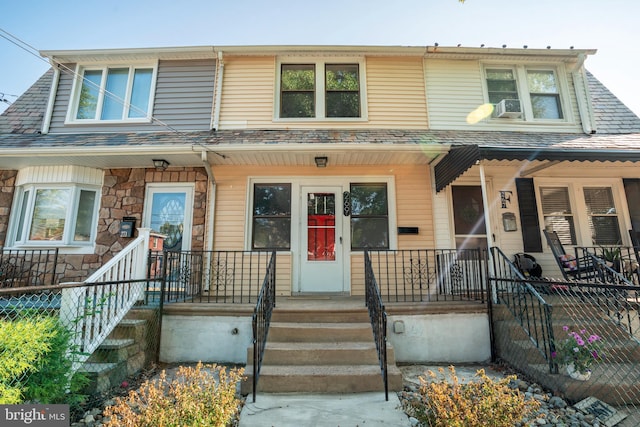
123,194
7,186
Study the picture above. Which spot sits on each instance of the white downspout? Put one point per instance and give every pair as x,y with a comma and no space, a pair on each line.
46,124
583,97
218,98
211,198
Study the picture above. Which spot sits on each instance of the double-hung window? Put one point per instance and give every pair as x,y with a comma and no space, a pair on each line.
320,89
271,222
121,93
524,92
369,216
564,207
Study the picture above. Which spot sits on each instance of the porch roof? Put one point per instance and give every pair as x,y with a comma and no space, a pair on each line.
299,147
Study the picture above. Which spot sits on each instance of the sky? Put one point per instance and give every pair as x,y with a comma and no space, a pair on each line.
612,27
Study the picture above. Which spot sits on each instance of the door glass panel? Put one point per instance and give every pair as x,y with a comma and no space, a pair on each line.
321,227
167,218
468,217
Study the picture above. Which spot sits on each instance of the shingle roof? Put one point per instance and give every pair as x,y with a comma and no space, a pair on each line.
611,115
618,129
26,113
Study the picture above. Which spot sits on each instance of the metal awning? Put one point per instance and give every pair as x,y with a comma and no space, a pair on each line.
461,157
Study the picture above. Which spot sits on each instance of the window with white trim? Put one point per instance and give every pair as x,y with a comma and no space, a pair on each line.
56,215
564,208
524,92
119,93
320,89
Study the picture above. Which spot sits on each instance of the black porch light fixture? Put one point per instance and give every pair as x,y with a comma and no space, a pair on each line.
321,162
160,164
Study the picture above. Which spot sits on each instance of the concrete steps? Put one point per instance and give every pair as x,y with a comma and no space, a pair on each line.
122,354
616,380
321,351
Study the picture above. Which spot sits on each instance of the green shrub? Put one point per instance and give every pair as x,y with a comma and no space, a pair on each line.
36,360
22,343
450,403
195,397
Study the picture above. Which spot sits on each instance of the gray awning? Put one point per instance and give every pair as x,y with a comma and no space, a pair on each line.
462,157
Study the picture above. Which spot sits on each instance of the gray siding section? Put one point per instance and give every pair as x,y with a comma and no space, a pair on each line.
183,100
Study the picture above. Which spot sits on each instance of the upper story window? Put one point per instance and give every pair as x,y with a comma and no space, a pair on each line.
523,92
123,93
320,89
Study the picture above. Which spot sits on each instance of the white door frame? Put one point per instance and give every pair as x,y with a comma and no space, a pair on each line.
159,188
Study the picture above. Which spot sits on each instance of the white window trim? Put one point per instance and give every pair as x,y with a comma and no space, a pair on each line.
296,184
70,220
522,86
579,208
320,88
77,86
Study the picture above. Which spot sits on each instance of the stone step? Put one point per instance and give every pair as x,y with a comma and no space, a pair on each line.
115,350
319,332
322,379
130,328
300,315
103,376
322,353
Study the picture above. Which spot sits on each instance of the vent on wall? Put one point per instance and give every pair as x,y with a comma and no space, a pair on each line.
508,108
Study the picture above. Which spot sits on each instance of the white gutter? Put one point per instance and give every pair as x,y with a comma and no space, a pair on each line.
218,89
52,97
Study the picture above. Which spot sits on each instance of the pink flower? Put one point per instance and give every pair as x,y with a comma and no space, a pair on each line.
565,328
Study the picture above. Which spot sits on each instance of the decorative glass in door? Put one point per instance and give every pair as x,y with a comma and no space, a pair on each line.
321,227
167,218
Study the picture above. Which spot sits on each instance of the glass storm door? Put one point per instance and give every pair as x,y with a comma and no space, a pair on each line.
168,212
321,264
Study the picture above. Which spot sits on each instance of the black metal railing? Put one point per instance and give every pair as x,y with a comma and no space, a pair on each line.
378,318
616,264
523,301
262,318
420,275
22,268
232,277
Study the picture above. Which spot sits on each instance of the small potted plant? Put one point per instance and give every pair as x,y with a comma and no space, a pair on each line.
578,352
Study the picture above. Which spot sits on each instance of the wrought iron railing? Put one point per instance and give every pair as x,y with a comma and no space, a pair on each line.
420,275
523,301
616,264
22,268
231,277
378,317
262,318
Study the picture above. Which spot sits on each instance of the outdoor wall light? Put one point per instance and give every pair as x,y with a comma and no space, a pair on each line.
160,164
321,162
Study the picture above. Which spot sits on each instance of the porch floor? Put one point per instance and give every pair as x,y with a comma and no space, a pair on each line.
325,302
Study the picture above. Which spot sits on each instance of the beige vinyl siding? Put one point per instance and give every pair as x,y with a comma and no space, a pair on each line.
396,93
413,207
247,92
183,100
455,89
395,96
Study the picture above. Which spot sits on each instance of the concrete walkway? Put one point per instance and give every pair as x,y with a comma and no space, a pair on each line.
327,410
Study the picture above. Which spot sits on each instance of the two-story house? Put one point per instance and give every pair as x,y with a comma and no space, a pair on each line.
318,153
